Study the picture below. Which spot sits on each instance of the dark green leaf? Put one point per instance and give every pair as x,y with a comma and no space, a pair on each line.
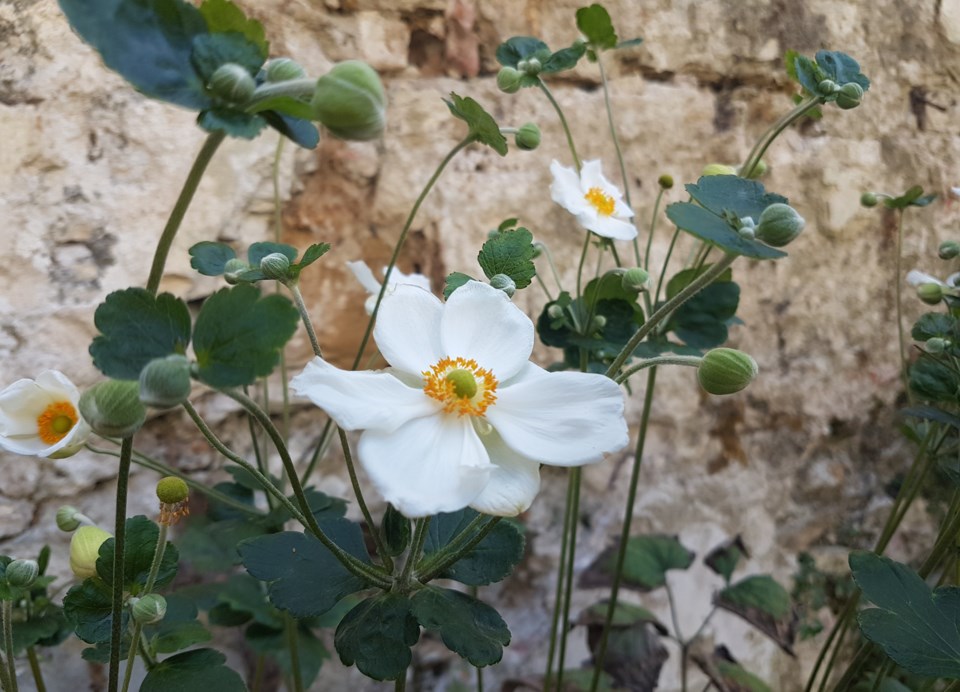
39,627
914,625
313,253
258,251
284,105
931,413
304,577
712,228
140,545
211,51
841,68
724,558
396,531
224,16
624,615
808,73
518,48
620,325
200,670
731,193
702,321
510,253
311,653
685,277
490,561
564,59
377,635
243,593
935,324
467,626
212,546
764,604
724,672
238,335
300,131
645,567
481,125
87,609
136,327
634,654
234,123
149,42
210,259
179,628
594,23
507,224
610,287
454,281
934,381
913,197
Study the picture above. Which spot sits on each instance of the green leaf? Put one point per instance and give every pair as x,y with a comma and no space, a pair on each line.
238,335
931,413
304,577
209,258
284,105
490,561
454,281
179,628
711,228
764,604
211,51
300,131
39,627
510,253
733,194
87,609
396,531
914,625
564,59
467,626
935,324
312,254
225,16
635,654
913,197
702,321
140,545
624,615
934,381
620,325
610,287
200,670
377,635
272,642
243,593
645,567
841,68
233,123
724,672
808,73
724,558
518,48
258,251
148,42
136,327
594,23
481,125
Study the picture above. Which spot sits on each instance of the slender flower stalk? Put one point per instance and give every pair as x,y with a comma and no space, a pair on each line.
35,669
158,552
6,611
119,534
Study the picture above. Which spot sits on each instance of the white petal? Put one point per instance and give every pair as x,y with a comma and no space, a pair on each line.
480,322
565,188
361,400
398,278
514,481
20,405
621,210
408,329
915,277
24,401
590,176
362,273
560,418
428,465
609,227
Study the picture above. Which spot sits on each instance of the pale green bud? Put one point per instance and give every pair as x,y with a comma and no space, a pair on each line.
779,225
759,168
528,137
232,83
937,345
233,269
508,80
726,371
22,573
149,609
949,249
85,549
554,312
868,199
828,86
635,279
350,102
112,408
69,518
165,382
283,70
530,66
504,283
930,293
718,169
850,95
276,265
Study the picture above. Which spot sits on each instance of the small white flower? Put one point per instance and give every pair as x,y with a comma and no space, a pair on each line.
364,275
915,277
594,200
462,418
40,417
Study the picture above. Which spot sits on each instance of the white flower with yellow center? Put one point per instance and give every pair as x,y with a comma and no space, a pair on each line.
40,418
462,418
364,275
594,200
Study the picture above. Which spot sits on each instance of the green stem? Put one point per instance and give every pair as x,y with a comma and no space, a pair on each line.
613,135
305,317
322,443
575,474
689,361
553,267
438,563
158,552
367,517
119,537
904,371
277,232
558,597
653,227
293,644
213,141
259,455
760,148
666,263
563,123
298,89
4,669
35,669
7,609
400,685
416,547
674,617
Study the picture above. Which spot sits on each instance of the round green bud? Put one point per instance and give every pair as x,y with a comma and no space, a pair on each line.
780,224
554,312
528,137
828,87
726,371
937,345
718,169
165,382
850,95
149,609
665,181
508,80
85,549
504,283
530,66
22,573
538,249
276,265
635,279
172,490
283,70
112,408
233,269
758,170
747,232
69,518
949,249
597,323
350,102
868,199
930,293
232,83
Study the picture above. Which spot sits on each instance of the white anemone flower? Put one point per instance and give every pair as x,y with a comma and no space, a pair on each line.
462,418
365,276
40,417
594,200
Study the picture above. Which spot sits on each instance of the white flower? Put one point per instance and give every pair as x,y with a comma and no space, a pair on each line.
463,418
915,277
39,417
363,274
594,200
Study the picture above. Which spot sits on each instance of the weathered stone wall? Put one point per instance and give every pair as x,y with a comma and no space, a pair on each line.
89,170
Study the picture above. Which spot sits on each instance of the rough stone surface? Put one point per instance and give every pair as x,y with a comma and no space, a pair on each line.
89,170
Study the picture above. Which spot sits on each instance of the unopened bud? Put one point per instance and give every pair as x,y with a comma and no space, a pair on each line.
232,83
850,95
22,573
233,269
149,609
828,87
508,80
868,199
283,70
276,265
69,518
165,382
759,168
350,102
528,137
930,293
665,181
635,279
779,225
530,66
555,312
85,549
949,249
113,408
504,283
937,345
718,169
726,371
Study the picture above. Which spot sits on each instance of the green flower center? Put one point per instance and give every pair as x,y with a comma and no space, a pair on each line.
464,383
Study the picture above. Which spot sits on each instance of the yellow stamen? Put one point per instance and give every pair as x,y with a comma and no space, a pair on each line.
56,421
462,386
600,200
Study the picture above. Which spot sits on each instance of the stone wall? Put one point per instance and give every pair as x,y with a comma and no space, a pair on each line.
89,170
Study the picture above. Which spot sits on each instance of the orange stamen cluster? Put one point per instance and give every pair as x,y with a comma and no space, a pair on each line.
438,386
171,513
56,421
601,201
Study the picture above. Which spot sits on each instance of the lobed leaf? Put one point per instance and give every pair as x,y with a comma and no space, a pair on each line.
140,545
490,561
467,626
645,567
200,670
209,258
763,603
595,24
224,16
481,125
509,252
377,635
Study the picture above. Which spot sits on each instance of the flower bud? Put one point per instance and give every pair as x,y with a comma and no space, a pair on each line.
827,87
850,95
276,265
233,269
283,70
149,609
350,102
665,181
635,279
528,137
172,490
930,293
759,168
747,232
232,83
504,283
85,549
555,312
949,249
69,518
937,345
165,382
113,408
22,573
597,323
718,169
779,225
508,80
538,249
725,371
530,66
868,199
